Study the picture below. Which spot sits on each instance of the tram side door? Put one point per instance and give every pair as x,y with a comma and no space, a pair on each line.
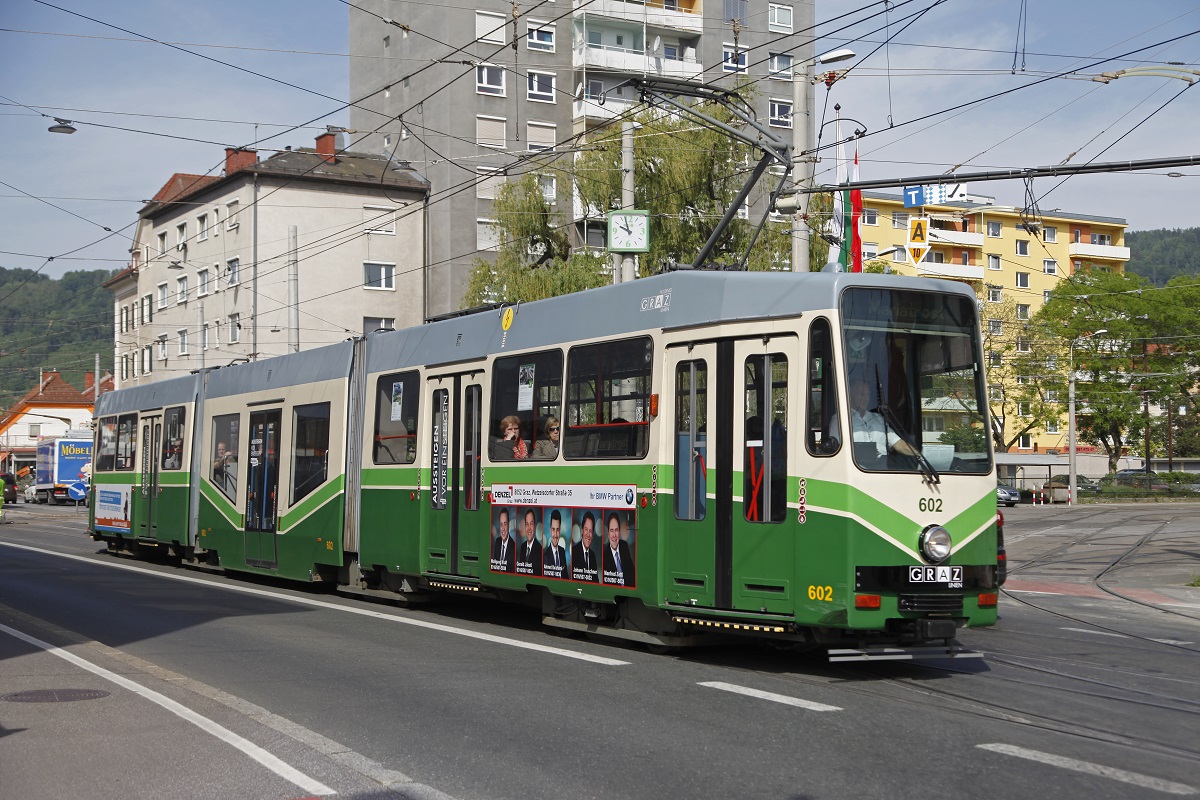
146,524
262,488
763,546
454,461
695,557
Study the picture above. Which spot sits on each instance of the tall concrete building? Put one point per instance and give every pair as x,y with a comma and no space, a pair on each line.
465,92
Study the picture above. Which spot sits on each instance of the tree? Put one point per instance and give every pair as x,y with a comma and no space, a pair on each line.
1132,356
1022,360
534,260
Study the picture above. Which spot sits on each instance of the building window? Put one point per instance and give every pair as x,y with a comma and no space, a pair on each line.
540,36
181,236
1022,311
1045,296
1022,280
1052,426
1050,266
379,219
162,295
995,327
489,79
147,312
1023,409
541,86
162,347
733,58
995,294
204,337
541,135
488,183
993,261
231,215
147,359
994,358
489,27
780,66
1022,344
870,251
233,272
378,275
181,289
779,19
162,243
201,282
371,324
1049,234
781,113
487,235
900,256
490,132
1025,442
595,39
235,328
201,227
993,229
1022,247
1051,396
900,219
1102,238
935,257
549,187
870,216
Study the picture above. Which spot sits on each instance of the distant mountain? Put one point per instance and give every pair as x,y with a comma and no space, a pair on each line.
48,323
1162,254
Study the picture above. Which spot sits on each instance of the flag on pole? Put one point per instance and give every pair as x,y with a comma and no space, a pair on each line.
837,219
855,236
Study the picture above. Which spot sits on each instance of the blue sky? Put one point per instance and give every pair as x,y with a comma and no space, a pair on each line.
961,50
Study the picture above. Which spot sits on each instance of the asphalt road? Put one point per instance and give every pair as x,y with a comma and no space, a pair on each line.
1088,690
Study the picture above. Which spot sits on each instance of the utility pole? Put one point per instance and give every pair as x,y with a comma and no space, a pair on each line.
627,129
293,290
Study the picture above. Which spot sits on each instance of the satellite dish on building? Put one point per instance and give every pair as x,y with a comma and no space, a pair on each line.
579,91
654,48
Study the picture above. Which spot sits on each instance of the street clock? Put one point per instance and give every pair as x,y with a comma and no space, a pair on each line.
629,231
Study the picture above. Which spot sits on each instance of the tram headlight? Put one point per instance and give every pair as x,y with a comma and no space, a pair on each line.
936,544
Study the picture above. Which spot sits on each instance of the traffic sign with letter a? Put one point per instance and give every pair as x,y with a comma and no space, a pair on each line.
918,230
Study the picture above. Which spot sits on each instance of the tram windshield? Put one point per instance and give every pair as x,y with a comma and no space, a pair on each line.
914,382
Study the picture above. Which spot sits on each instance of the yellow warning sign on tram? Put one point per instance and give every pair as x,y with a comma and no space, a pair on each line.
506,319
918,238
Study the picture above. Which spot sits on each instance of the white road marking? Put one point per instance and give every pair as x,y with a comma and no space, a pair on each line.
1096,633
362,612
774,698
1145,781
276,765
1030,591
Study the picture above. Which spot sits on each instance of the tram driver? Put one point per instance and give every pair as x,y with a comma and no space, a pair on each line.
867,425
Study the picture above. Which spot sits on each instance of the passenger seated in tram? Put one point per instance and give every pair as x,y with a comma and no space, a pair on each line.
510,446
547,446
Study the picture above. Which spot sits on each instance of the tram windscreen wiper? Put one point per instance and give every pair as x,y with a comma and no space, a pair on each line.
928,471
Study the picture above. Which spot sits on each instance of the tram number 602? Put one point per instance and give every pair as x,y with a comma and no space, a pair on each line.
933,504
822,593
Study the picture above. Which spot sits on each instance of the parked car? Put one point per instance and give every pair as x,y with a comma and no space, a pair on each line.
1083,484
1141,479
1007,495
10,486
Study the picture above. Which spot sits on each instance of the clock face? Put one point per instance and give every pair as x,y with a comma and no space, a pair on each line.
628,232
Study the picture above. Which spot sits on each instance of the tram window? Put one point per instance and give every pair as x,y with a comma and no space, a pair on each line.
764,490
439,450
106,446
396,399
172,441
822,437
608,391
310,448
691,439
224,448
126,442
527,393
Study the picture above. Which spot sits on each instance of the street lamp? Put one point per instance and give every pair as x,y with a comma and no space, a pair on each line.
801,131
1073,488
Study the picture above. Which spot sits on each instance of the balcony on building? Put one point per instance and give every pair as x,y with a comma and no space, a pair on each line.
603,45
958,238
671,15
966,272
1107,252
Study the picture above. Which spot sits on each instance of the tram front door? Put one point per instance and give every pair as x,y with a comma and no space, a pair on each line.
146,525
262,489
730,545
455,491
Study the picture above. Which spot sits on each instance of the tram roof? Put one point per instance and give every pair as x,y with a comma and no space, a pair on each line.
671,301
158,394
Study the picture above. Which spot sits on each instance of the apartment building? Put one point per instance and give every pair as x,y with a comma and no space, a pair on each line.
1011,260
471,93
216,275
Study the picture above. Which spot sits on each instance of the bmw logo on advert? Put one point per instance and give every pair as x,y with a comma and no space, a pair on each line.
629,497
